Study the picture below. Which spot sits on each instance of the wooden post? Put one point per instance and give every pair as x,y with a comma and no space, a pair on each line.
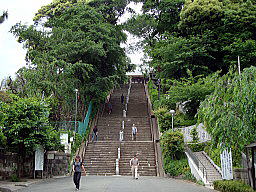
253,170
249,167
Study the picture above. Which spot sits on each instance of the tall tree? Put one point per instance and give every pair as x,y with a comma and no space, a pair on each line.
201,35
81,49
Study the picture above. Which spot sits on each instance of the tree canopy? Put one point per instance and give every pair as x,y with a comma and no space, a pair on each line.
229,112
201,35
25,125
76,47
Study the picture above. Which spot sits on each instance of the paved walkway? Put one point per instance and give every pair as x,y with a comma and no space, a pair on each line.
117,184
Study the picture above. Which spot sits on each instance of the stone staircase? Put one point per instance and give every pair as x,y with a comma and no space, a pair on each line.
146,155
212,173
100,157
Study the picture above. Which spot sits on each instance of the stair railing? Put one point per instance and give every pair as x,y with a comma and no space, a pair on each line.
117,160
198,163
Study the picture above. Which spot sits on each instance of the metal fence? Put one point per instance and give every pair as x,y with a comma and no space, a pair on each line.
65,126
76,126
198,163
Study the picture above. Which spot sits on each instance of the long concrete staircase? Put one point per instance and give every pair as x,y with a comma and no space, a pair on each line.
100,157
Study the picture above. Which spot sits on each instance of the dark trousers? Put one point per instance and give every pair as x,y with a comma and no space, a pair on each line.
94,136
76,178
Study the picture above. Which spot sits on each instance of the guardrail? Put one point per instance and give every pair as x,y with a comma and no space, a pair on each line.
198,163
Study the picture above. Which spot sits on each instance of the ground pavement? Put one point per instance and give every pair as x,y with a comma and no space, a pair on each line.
117,184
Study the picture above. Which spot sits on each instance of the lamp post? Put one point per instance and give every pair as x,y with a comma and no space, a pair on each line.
159,88
172,113
76,90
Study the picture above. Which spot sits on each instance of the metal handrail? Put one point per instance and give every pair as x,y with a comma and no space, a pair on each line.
198,163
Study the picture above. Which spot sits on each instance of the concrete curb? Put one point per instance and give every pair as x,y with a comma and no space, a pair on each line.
16,186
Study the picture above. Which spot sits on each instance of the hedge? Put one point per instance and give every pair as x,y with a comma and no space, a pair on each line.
231,186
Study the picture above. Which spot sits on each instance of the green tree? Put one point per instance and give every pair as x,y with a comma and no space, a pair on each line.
172,143
202,36
229,112
25,126
81,49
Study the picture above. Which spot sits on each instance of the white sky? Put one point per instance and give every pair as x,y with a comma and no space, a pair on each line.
11,52
12,55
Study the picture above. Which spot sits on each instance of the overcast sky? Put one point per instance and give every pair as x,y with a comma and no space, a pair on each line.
11,52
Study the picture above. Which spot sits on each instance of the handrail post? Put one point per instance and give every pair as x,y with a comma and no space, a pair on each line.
117,160
117,166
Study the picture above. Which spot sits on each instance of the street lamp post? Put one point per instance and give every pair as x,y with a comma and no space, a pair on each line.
76,90
159,88
172,113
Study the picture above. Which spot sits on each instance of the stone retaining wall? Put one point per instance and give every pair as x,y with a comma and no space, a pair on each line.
52,167
241,174
56,163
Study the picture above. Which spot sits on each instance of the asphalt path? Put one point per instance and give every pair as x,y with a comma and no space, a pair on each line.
117,184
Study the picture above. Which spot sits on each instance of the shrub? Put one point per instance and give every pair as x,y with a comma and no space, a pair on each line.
188,176
195,147
231,186
164,118
15,178
200,182
176,167
172,143
194,135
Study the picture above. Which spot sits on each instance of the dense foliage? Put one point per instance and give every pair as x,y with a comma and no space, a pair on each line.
232,186
202,36
175,162
73,47
172,143
25,126
229,112
187,93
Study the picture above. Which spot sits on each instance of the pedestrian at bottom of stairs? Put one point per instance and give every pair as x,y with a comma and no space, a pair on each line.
134,164
95,133
134,132
77,169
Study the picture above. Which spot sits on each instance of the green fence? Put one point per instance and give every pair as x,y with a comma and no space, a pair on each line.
64,126
82,126
79,126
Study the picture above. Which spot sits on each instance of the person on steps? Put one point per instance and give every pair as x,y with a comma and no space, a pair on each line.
134,132
122,100
134,164
77,169
109,108
95,133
